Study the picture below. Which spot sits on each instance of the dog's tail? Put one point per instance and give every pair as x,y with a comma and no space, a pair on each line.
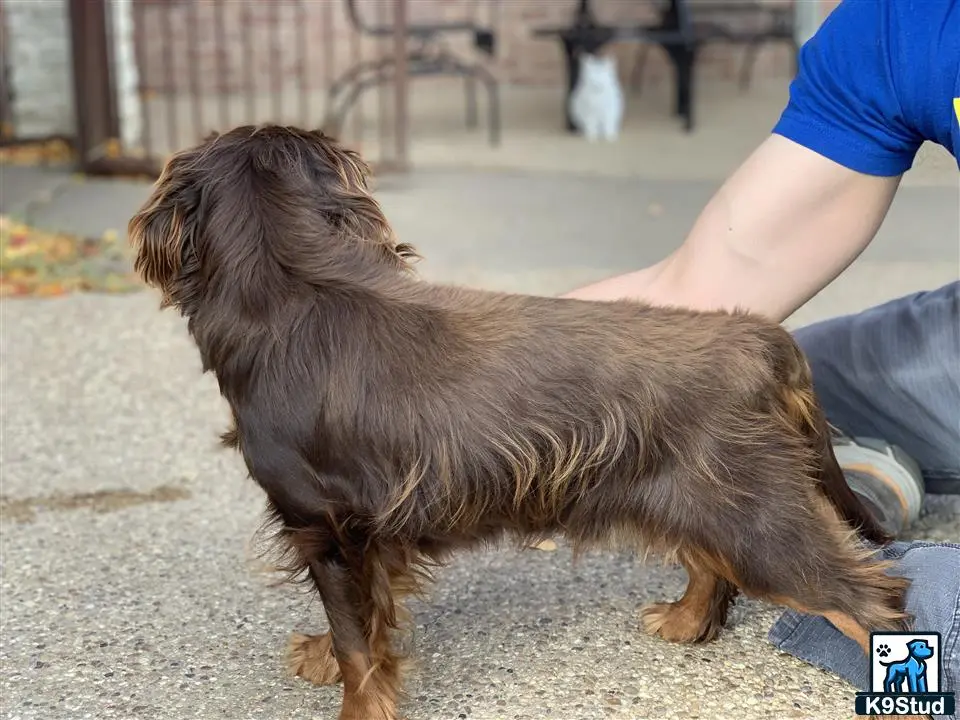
804,412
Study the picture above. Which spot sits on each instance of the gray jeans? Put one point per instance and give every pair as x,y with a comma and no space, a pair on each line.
893,372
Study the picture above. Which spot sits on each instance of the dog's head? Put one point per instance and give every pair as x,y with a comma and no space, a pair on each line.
266,203
920,649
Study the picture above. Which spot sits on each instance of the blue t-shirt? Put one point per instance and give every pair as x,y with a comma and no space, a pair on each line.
878,79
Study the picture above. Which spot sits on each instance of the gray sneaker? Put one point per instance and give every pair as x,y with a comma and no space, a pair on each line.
884,477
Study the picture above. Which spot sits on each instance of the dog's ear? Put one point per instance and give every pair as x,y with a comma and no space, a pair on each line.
360,213
164,234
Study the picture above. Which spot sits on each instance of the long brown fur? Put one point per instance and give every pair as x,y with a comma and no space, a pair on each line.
391,421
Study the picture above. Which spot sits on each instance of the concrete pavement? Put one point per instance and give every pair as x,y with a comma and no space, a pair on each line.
128,588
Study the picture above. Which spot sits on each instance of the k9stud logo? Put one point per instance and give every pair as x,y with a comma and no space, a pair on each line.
905,672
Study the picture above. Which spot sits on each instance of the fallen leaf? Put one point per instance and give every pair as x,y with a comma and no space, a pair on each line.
113,148
547,545
51,290
18,250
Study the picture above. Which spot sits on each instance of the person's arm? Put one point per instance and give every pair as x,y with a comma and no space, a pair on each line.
783,226
808,201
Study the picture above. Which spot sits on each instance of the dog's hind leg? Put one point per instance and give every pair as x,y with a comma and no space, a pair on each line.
701,613
818,568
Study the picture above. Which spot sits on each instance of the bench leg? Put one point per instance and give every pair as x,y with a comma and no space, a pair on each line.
684,59
572,66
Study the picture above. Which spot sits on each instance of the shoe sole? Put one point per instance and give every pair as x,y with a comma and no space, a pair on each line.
884,503
888,464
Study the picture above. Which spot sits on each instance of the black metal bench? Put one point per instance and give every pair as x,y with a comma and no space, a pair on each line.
682,29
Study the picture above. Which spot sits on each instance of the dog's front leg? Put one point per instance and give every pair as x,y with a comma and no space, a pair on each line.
359,639
311,657
700,614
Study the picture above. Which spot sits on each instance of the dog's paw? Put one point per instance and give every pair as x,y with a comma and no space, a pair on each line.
883,650
311,657
677,622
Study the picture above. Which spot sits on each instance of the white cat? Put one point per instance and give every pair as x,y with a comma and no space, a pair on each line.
596,103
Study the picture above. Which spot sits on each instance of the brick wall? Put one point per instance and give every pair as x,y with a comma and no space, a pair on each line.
261,44
37,48
38,51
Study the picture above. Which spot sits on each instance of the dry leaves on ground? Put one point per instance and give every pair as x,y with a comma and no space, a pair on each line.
42,152
39,263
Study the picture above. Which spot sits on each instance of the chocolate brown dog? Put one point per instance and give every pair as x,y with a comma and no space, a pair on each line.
392,421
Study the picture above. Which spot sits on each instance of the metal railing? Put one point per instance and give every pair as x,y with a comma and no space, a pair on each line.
163,74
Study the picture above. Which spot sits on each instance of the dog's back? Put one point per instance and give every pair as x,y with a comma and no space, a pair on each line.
457,405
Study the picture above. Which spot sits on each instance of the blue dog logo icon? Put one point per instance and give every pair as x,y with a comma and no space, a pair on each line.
906,668
911,671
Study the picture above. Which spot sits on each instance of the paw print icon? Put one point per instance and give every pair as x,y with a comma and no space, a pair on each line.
883,650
